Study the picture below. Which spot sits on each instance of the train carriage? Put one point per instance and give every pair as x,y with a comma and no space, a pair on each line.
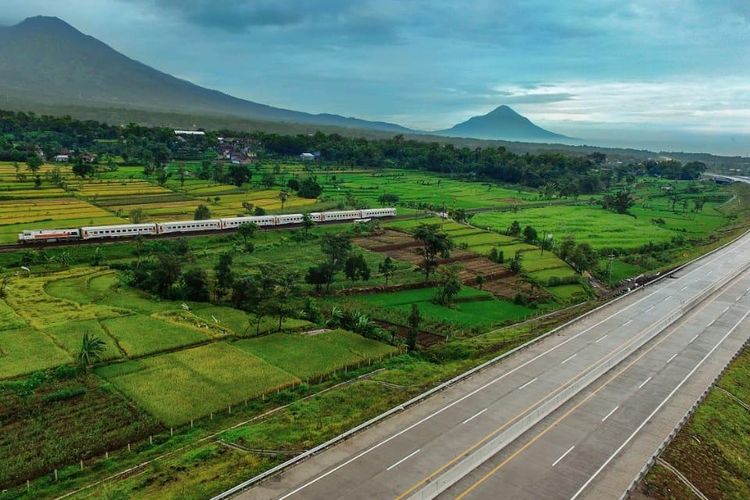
117,231
235,222
188,226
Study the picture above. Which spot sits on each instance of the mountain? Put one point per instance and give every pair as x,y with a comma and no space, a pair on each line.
47,62
501,123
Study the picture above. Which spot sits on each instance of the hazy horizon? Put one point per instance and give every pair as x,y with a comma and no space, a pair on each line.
672,76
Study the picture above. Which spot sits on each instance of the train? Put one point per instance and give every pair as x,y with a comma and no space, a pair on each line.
194,226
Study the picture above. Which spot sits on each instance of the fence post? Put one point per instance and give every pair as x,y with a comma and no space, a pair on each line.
151,439
128,446
81,464
191,423
55,474
171,431
230,409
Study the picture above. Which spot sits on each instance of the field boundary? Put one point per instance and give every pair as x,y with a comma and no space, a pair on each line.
439,388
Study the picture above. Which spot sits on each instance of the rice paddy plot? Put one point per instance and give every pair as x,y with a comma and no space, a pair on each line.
28,297
192,383
604,229
308,356
140,334
241,323
420,188
55,213
69,336
471,308
24,351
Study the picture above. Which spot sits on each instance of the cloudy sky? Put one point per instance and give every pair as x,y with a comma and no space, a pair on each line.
624,72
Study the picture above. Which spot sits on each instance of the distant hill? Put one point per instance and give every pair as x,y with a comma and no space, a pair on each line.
45,61
501,123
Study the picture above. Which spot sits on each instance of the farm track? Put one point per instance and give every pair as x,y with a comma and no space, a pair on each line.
16,247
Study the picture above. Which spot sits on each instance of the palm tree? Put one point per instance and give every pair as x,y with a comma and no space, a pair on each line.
283,196
92,348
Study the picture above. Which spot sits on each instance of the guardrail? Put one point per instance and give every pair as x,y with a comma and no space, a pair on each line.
421,397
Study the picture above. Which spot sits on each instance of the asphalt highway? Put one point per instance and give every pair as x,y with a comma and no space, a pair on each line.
595,443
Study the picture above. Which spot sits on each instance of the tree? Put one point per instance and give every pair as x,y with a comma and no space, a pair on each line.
246,231
479,279
387,268
414,320
202,212
356,268
165,273
240,174
259,211
248,207
92,348
388,199
336,248
293,184
224,274
284,287
620,202
515,228
82,169
515,263
283,196
37,182
136,216
196,285
583,257
307,223
319,275
268,180
181,173
309,188
450,285
529,234
434,243
98,257
566,247
34,163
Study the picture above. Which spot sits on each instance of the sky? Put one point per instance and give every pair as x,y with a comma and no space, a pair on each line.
671,74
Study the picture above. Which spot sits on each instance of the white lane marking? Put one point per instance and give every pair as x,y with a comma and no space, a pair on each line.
725,310
528,383
474,416
481,388
693,339
738,298
671,358
407,457
656,410
569,358
683,288
667,298
602,338
647,310
627,323
563,456
610,413
644,383
711,323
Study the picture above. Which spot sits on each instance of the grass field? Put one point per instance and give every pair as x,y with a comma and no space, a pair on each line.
192,383
308,356
25,351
